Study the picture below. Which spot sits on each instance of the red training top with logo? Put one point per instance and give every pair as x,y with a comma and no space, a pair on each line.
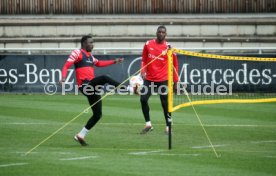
157,71
83,62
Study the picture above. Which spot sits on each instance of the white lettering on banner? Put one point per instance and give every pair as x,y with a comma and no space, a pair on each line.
44,73
183,72
195,73
228,74
205,72
53,73
219,76
267,76
33,75
244,73
214,76
34,69
138,59
3,74
69,76
242,76
254,74
12,76
13,73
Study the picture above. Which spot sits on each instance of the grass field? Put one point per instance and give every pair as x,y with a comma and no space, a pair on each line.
243,134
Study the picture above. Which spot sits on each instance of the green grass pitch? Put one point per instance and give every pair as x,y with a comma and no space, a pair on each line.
243,134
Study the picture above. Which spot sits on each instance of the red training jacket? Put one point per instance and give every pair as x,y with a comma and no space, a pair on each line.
84,63
157,71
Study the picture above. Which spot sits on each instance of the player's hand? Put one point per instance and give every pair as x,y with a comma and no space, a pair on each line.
119,60
62,81
143,75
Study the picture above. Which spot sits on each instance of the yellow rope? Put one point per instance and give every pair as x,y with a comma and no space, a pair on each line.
215,56
107,94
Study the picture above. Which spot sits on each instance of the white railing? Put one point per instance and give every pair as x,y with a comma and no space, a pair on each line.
258,50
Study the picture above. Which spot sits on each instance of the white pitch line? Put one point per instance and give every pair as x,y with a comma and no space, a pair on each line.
65,153
144,153
62,153
157,152
259,142
183,154
13,164
24,123
78,158
23,152
234,125
208,146
270,156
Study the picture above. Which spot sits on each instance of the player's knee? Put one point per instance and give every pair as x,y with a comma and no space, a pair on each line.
100,114
97,114
105,77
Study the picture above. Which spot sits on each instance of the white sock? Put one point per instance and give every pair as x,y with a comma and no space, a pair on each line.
83,132
148,123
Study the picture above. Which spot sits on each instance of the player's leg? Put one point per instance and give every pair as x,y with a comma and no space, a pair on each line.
97,110
145,95
102,80
92,97
97,114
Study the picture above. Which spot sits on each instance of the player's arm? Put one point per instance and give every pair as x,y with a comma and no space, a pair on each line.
104,63
70,61
144,61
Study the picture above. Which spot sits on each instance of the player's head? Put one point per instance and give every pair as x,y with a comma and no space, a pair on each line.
87,43
161,33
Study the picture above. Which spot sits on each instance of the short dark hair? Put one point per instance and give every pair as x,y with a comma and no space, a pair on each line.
84,38
163,27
